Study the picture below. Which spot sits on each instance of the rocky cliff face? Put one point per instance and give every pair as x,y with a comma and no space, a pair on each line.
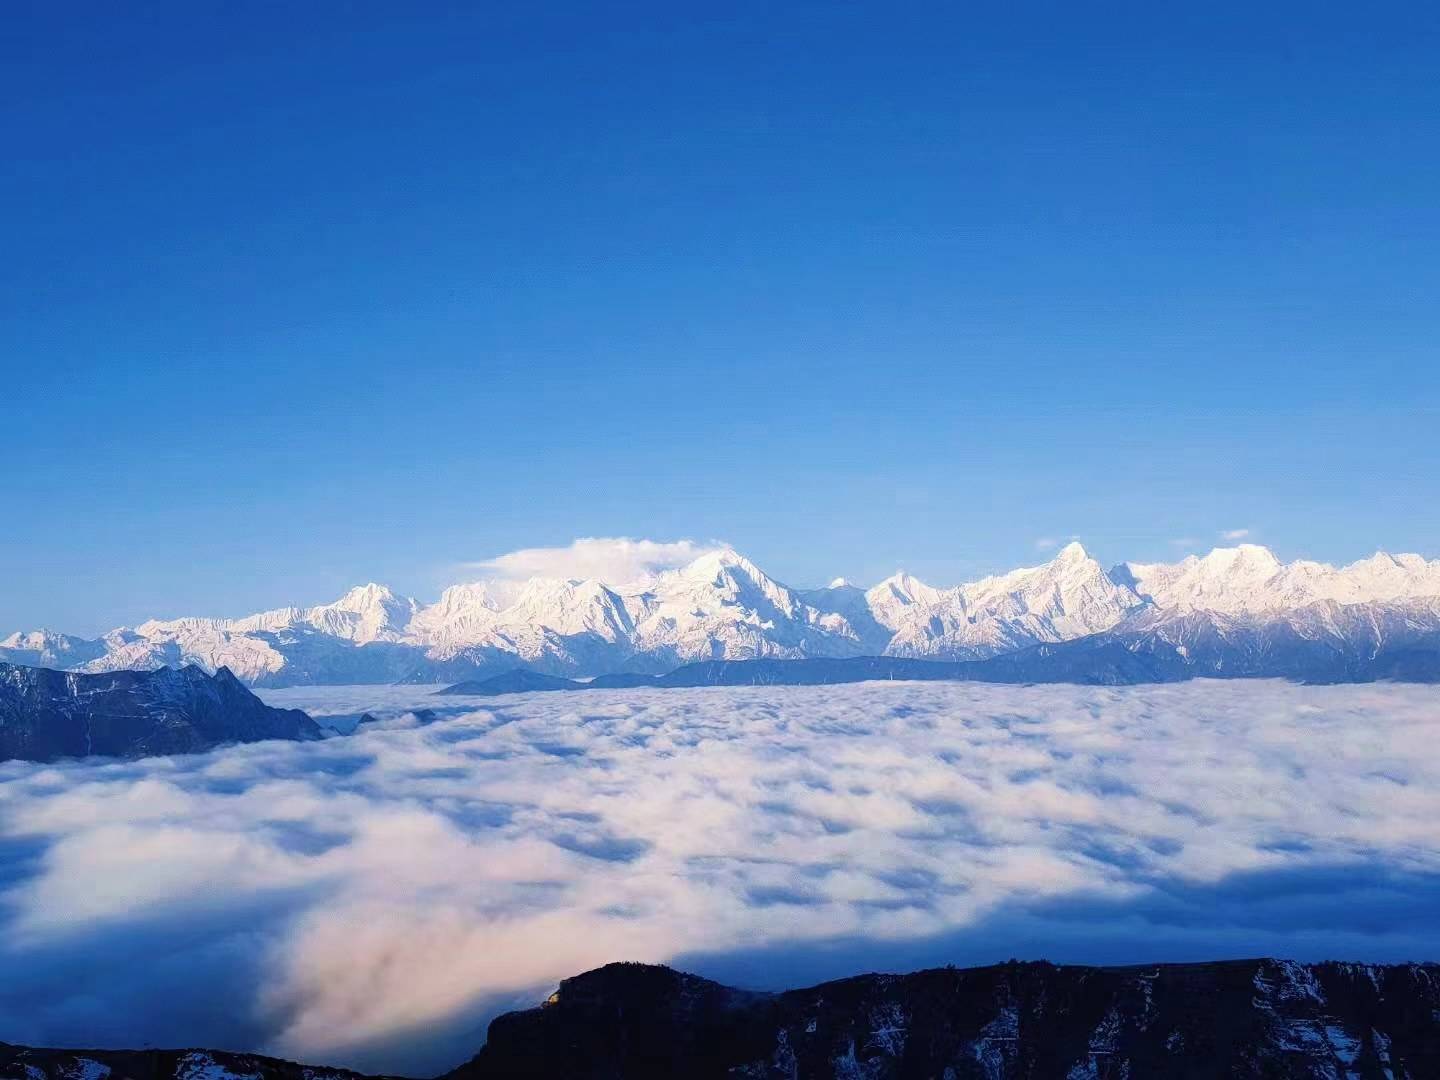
45,714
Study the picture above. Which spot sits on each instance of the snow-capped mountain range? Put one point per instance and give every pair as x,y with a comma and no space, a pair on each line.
722,606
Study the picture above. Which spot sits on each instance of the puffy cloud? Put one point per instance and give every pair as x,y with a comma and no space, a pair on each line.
615,560
372,899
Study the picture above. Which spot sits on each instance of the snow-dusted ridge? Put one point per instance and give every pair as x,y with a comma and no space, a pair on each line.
1249,579
723,606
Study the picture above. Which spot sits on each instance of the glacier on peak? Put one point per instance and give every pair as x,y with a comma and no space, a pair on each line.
1068,597
1250,580
720,605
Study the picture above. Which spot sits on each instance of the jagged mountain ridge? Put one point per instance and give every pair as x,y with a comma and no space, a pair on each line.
724,607
1273,1019
1067,598
1250,580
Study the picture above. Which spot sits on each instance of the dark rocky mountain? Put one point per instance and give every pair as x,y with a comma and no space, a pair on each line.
1324,643
1246,1018
46,715
1260,1019
29,1063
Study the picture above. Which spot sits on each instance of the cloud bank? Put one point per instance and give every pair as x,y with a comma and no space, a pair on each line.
616,560
372,900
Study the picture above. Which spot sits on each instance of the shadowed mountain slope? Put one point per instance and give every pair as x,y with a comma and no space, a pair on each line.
45,714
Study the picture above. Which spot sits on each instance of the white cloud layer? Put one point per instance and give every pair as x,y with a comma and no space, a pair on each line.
1235,534
615,560
371,900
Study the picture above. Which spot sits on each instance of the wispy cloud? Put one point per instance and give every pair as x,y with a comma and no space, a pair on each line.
370,900
612,559
1235,534
1046,543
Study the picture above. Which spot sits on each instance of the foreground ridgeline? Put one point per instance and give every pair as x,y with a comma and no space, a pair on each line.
46,715
1236,611
29,1063
1244,1018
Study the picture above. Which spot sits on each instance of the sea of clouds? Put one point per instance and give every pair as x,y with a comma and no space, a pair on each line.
373,899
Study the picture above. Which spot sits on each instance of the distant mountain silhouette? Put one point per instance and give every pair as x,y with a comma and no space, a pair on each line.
519,681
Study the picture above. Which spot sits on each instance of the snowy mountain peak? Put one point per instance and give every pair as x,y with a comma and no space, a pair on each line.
567,607
365,598
1067,597
465,598
1220,580
906,588
366,613
1383,563
721,605
33,639
725,578
1070,567
714,563
1249,579
48,648
891,599
1253,559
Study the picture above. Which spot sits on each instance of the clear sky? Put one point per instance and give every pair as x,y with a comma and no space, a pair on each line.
294,299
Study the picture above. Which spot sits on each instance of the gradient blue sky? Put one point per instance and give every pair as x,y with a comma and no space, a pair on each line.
292,300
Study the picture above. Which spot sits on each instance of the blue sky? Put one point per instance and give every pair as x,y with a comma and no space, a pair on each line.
293,300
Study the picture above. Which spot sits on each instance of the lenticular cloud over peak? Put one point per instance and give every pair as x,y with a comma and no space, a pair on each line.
611,559
371,900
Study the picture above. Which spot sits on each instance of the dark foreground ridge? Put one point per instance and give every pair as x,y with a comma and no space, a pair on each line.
46,715
1271,1019
29,1063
